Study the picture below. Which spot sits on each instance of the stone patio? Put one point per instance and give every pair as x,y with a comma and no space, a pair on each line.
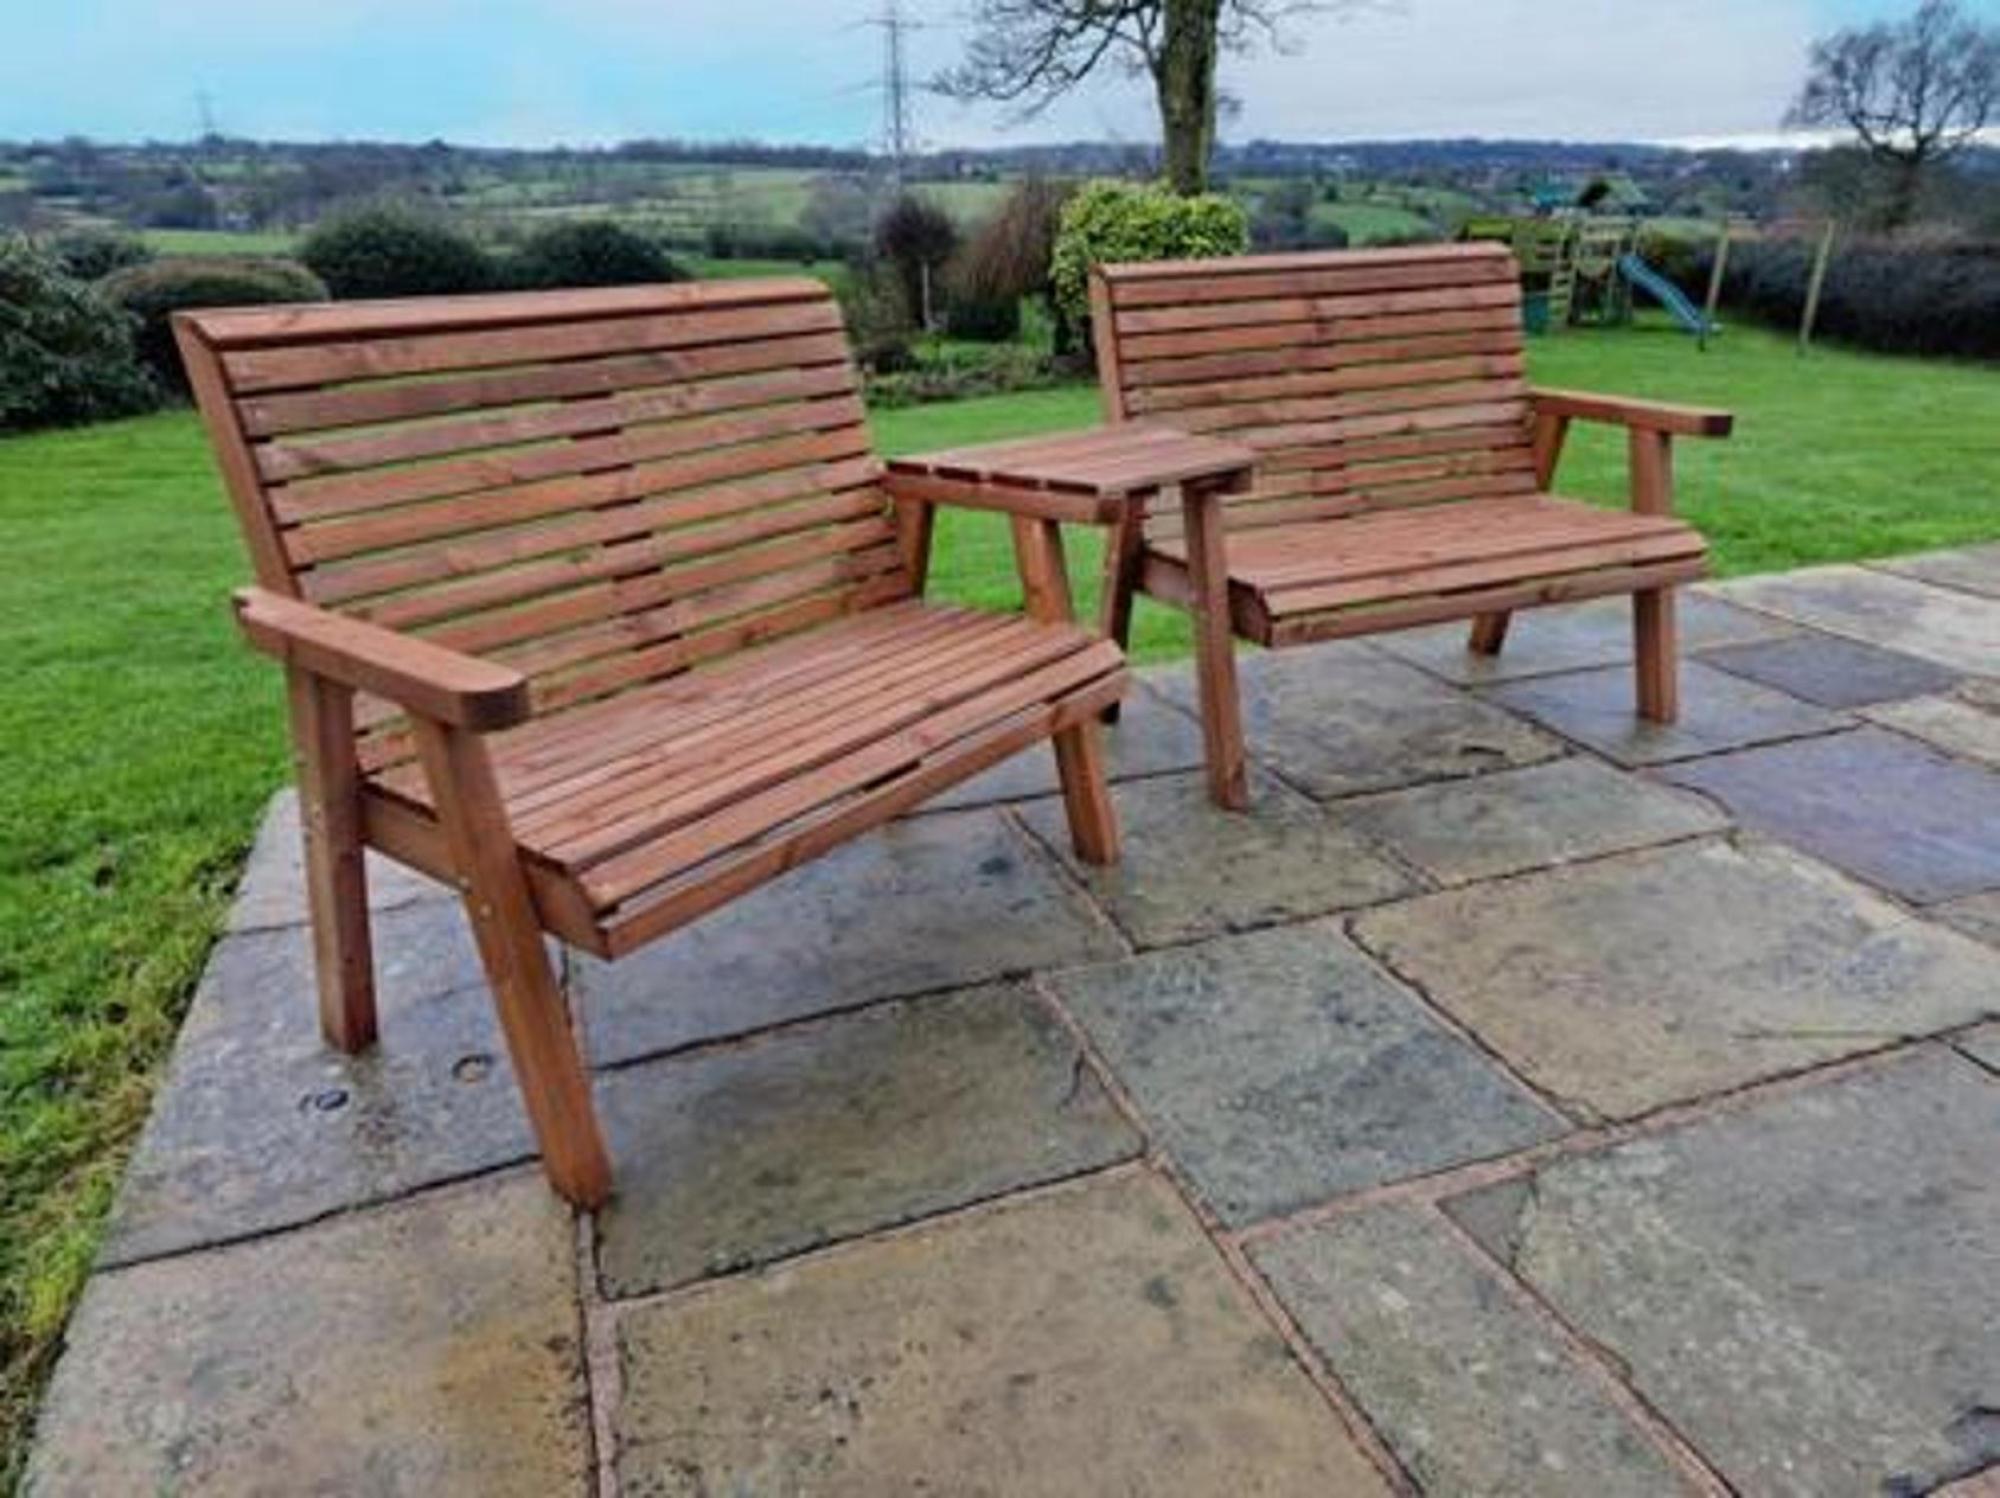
1517,1100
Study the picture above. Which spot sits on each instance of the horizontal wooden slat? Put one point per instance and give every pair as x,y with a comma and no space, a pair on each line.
281,461
618,523
1282,335
1316,310
1221,370
1123,275
229,328
1318,278
671,904
287,367
348,536
383,488
409,400
620,878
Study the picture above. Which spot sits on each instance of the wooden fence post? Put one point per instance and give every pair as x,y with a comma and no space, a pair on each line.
1820,257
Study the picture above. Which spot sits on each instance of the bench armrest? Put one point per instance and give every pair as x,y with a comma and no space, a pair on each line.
430,681
1625,411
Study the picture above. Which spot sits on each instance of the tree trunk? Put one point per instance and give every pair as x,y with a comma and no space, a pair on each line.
1184,75
1906,181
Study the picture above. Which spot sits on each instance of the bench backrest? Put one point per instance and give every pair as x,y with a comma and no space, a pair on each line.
600,488
1365,379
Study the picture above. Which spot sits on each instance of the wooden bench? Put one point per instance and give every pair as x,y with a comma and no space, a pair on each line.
596,605
1404,462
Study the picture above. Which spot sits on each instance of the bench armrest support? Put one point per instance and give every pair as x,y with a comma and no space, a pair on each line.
429,681
1626,411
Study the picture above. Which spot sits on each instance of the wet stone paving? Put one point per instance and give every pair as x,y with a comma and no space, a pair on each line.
1518,1099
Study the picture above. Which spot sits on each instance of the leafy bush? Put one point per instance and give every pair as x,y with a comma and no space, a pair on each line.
980,315
1112,221
916,238
1007,259
390,251
152,293
878,322
1938,299
942,374
593,253
91,254
65,352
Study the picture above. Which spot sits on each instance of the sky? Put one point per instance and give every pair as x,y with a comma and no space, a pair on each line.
581,72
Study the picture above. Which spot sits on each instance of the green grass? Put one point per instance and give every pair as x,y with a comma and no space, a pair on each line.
219,242
140,739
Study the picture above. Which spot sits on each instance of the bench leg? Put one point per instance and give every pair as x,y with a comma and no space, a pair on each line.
1656,654
1215,650
1121,578
1489,633
525,992
335,873
1086,789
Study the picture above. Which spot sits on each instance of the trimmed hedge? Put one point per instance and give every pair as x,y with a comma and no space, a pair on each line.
65,352
1897,299
153,292
1112,221
92,254
390,251
597,252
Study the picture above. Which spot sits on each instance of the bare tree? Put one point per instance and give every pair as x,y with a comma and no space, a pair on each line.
1913,92
1029,53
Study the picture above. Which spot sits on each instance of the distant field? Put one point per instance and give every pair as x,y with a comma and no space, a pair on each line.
217,242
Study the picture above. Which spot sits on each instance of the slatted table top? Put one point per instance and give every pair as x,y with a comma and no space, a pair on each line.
1129,458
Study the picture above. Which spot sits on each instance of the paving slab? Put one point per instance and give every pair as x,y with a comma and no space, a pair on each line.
272,891
1896,813
1975,569
1656,977
1282,1068
1975,915
1831,671
1087,1341
1954,628
1461,830
1472,1393
1718,712
1190,869
743,1155
1342,718
1952,724
1151,737
260,1124
1573,637
1802,1288
426,1347
869,921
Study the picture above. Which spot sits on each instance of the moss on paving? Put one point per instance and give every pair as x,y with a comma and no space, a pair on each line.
139,740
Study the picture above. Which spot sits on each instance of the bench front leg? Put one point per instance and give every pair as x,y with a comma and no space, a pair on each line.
1214,646
329,777
509,936
1551,431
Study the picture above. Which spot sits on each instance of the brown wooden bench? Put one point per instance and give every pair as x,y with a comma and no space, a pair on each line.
1404,462
596,605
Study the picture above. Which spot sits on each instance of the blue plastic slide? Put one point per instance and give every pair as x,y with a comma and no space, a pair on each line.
1663,291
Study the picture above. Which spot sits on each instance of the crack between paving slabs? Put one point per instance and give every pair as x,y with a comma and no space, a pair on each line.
1345,1408
1599,1362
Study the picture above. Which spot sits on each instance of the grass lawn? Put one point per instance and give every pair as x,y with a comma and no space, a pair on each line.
220,241
140,739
